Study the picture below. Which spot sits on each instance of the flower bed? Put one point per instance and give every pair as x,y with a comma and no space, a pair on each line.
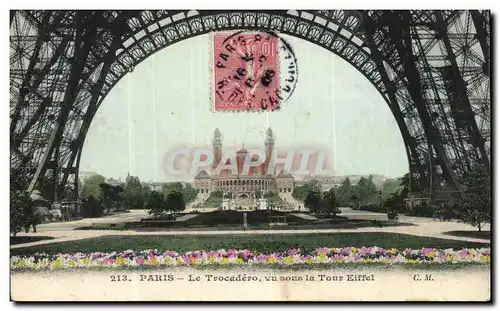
130,258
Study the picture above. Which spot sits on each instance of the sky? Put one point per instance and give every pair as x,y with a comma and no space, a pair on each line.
165,103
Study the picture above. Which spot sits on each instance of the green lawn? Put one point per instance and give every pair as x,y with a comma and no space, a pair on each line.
261,243
233,220
27,239
216,218
180,226
471,234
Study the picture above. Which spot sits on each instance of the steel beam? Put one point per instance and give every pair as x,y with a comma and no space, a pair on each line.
84,38
461,91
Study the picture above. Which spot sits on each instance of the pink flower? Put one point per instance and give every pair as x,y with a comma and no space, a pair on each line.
170,254
109,261
356,257
365,250
407,252
463,254
262,257
187,259
322,250
427,251
140,261
346,250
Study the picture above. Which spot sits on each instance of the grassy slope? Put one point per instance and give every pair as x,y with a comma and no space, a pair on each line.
470,234
27,239
262,243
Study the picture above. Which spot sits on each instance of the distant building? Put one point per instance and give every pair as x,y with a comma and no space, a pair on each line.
85,175
329,182
243,185
155,186
158,186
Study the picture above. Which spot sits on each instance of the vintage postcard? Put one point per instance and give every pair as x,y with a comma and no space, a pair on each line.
246,155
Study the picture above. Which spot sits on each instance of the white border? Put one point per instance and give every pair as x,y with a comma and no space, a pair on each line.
255,4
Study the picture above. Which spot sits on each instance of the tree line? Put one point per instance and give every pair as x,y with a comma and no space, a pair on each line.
97,194
363,195
470,203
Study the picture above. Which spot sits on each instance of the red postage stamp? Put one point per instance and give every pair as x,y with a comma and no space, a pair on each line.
245,72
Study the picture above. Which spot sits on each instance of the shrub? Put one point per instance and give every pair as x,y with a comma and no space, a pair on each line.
376,223
92,208
166,217
156,204
474,199
423,210
445,212
17,201
22,212
392,215
372,208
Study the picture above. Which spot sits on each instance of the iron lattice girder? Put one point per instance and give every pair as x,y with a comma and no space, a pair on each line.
33,82
143,33
432,85
462,79
413,153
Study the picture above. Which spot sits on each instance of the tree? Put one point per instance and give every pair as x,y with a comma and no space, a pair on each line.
22,207
175,202
344,193
390,187
156,204
91,187
300,192
133,194
146,195
395,201
474,199
410,186
30,216
111,195
329,202
171,186
366,191
355,200
19,203
313,201
189,193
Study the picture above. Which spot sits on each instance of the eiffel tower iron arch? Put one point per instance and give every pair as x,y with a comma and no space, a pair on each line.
96,49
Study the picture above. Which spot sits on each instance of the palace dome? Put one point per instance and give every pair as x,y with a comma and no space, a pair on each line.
202,175
242,151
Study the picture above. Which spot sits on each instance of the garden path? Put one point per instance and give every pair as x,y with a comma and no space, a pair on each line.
425,227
